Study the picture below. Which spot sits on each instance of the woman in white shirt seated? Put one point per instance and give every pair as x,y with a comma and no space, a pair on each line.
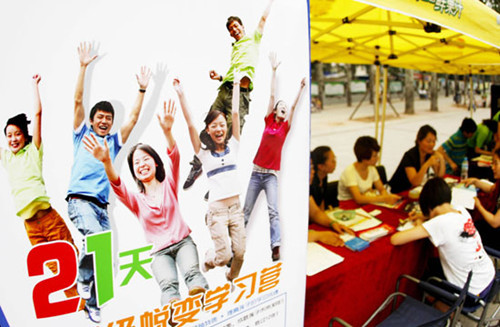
358,180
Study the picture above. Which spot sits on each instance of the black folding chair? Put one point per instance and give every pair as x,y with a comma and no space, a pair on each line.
331,194
382,174
412,312
472,302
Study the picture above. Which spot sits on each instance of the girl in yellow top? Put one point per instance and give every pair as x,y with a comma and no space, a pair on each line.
23,163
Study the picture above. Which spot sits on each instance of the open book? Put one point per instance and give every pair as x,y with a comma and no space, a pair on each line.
357,220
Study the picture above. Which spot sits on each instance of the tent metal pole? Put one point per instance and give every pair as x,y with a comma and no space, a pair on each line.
377,96
471,91
384,107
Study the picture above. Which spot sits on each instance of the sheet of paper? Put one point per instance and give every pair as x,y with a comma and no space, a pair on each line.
461,196
367,222
319,258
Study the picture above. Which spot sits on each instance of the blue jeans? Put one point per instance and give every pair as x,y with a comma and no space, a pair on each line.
89,219
185,255
269,183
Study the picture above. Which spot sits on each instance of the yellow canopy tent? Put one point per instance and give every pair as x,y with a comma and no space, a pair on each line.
446,36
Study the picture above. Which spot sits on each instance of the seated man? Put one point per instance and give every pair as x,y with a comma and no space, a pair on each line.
454,149
322,163
483,140
357,181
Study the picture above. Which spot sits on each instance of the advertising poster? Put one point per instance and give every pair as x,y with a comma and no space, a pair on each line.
180,42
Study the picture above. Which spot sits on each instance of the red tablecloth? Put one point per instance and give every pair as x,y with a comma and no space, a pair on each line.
353,289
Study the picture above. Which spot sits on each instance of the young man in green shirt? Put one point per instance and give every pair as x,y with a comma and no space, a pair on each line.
244,58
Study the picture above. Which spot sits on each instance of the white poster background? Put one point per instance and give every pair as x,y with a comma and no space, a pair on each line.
186,39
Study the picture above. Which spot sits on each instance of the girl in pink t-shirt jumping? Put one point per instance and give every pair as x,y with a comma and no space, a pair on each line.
157,208
267,161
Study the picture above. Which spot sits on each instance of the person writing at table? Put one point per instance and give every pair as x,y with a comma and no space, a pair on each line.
489,207
414,168
452,231
323,162
357,181
483,140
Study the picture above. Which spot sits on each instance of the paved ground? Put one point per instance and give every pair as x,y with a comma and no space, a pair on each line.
332,127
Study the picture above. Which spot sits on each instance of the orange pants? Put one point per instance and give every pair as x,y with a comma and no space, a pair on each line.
47,228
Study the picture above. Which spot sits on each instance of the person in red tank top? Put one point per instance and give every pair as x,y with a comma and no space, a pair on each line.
267,161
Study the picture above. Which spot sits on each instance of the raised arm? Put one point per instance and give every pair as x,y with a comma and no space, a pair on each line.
37,127
166,120
143,81
101,153
296,101
235,105
85,58
274,66
193,133
263,19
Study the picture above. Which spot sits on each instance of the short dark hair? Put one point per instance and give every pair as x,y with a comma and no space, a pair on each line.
364,147
319,155
204,137
231,19
105,106
160,169
22,122
468,126
491,124
423,131
434,193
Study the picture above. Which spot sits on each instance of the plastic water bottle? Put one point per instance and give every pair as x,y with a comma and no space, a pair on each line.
464,173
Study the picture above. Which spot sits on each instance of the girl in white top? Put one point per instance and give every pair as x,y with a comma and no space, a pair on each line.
224,218
452,231
357,180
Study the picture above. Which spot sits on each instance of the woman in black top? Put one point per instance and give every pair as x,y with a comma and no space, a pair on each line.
413,170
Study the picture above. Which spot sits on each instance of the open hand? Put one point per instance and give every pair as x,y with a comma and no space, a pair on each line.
166,119
100,152
273,58
143,77
84,51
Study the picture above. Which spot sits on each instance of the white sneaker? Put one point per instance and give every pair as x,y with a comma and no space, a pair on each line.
94,314
84,290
